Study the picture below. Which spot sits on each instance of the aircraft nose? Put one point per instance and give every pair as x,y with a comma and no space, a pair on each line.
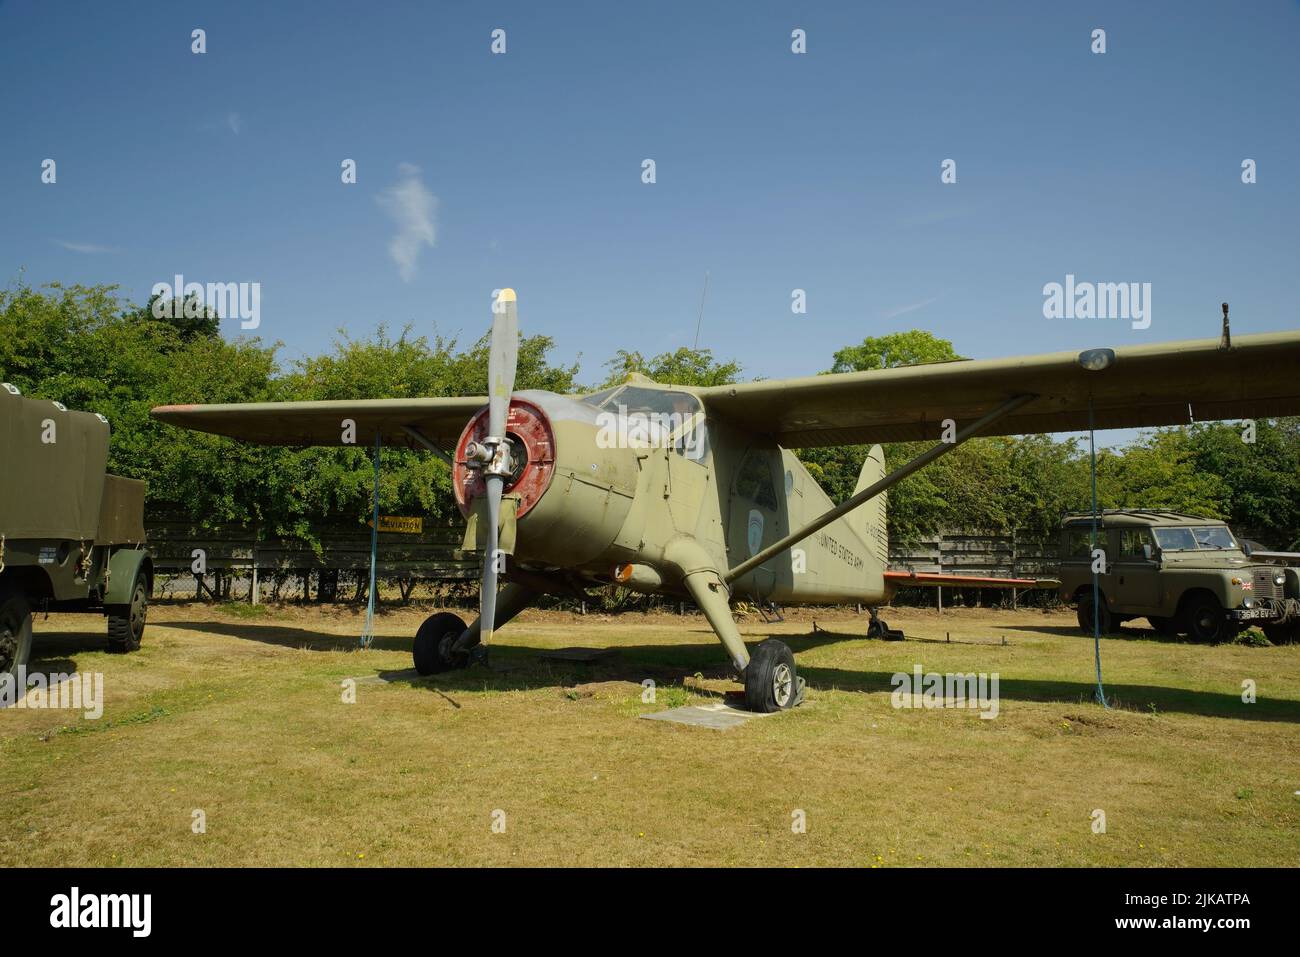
532,457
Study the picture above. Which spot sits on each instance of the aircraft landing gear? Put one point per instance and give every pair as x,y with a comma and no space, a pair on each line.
771,681
433,652
879,628
444,643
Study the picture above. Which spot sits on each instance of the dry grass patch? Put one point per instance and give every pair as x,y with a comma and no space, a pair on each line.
243,719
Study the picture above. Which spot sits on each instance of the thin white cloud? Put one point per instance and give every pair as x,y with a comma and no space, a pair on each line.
413,208
235,122
90,249
911,307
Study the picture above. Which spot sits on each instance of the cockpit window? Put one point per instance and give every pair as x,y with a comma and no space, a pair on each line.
646,401
598,398
754,481
653,417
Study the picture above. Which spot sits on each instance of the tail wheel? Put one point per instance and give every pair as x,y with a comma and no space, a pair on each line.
771,681
126,623
15,632
1204,620
1086,615
432,651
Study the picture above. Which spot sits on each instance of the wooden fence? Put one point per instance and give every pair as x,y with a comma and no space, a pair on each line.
960,553
277,564
274,567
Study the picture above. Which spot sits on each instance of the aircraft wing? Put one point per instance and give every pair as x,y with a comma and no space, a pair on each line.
322,423
932,579
1169,383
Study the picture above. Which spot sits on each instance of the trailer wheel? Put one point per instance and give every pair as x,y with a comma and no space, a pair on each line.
15,632
126,622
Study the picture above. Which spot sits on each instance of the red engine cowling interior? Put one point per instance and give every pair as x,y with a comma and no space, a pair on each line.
533,441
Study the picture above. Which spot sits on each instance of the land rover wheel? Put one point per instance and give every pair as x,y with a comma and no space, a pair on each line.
1204,620
126,622
1287,634
15,632
1086,615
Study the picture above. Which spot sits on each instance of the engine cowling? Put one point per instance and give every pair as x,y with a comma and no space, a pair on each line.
573,494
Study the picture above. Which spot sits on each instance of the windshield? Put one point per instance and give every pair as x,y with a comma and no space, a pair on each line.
651,418
631,398
1190,539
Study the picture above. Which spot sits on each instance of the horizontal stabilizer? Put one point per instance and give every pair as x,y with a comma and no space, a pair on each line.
931,579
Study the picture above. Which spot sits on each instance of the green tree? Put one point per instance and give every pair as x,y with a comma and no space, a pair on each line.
935,496
695,367
1262,476
1160,472
910,348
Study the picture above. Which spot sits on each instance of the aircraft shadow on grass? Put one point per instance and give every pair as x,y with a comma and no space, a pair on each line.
522,668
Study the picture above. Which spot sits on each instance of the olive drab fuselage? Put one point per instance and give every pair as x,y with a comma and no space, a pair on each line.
618,500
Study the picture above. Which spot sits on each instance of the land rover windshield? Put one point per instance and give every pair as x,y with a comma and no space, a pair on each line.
1194,538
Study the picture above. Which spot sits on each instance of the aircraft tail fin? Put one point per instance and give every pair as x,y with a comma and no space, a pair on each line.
870,519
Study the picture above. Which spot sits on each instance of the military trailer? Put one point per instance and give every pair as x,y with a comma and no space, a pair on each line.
1184,574
71,537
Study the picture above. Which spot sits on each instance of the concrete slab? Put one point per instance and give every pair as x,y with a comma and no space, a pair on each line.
720,717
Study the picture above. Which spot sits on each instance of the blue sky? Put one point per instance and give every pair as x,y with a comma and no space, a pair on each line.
775,171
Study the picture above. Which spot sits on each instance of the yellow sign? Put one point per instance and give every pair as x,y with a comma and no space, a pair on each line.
399,523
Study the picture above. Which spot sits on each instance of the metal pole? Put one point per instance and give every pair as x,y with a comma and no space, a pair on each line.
368,635
1096,585
849,504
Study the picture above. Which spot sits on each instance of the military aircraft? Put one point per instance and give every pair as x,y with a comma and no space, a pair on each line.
693,492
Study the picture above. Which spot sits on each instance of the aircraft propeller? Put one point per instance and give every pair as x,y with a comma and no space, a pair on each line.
494,452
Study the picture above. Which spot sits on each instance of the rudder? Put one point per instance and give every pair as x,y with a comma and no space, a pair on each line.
870,520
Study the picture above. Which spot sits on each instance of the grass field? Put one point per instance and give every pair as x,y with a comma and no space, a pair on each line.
242,716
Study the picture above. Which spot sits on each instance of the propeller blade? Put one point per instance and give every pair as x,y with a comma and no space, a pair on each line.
502,361
487,607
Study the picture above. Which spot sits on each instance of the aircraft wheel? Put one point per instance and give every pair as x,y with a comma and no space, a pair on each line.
432,651
1204,621
1086,612
15,632
126,622
771,681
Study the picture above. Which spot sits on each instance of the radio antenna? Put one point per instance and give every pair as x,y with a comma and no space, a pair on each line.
700,320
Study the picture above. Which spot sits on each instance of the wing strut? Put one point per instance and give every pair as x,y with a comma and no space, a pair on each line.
420,437
871,491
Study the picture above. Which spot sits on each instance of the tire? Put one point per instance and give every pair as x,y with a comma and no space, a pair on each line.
771,680
432,643
1085,616
15,633
1287,634
1204,620
126,622
1165,626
